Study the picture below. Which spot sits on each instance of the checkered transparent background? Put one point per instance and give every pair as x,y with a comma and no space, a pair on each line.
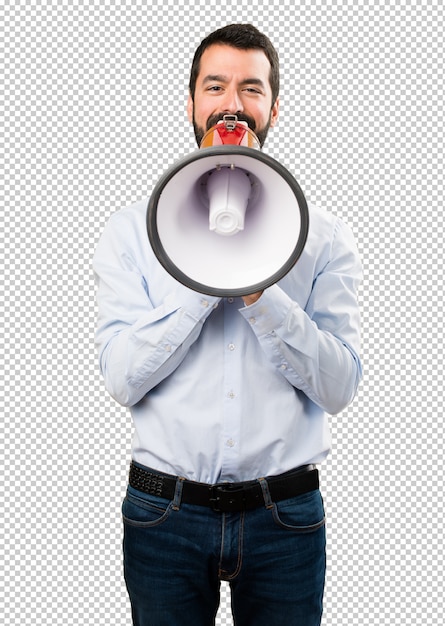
92,111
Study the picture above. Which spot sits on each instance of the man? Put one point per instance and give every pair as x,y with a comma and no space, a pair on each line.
228,395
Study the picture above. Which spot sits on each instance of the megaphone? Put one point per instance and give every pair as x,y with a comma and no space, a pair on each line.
227,219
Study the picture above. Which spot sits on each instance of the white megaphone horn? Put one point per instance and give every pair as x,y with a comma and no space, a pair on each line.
228,220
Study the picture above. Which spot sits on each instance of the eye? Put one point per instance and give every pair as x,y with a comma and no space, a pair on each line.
253,91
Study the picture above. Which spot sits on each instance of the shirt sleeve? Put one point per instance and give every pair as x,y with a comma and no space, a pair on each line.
317,348
140,344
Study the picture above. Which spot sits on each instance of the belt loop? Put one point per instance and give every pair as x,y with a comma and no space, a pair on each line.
176,503
178,493
266,493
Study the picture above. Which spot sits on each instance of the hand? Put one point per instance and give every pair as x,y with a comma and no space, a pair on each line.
253,297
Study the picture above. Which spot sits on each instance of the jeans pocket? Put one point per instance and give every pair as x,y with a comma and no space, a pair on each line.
302,514
143,511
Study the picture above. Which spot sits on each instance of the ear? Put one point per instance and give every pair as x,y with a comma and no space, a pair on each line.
190,109
274,113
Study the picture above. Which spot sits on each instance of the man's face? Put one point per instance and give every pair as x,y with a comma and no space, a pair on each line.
233,81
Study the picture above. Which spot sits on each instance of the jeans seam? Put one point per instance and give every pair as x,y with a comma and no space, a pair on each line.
309,528
302,530
239,563
150,524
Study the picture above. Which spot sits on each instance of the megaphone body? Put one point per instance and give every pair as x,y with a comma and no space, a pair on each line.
227,220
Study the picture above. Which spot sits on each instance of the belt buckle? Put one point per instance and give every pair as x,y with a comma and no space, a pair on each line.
215,498
234,500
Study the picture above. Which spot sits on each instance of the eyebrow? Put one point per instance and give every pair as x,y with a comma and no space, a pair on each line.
219,78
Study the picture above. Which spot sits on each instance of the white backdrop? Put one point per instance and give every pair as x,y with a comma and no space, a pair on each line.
92,112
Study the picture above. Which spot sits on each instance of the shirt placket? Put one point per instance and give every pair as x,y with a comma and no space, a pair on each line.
230,441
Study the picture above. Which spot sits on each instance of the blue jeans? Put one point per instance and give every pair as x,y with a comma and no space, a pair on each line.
175,555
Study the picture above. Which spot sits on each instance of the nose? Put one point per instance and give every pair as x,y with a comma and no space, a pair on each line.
232,102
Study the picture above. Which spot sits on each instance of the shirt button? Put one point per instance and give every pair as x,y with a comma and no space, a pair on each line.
283,366
252,320
204,303
230,443
231,347
231,395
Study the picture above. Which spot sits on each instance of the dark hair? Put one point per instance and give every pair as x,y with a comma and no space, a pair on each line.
244,37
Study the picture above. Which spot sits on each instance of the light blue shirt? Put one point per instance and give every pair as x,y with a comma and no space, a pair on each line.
219,391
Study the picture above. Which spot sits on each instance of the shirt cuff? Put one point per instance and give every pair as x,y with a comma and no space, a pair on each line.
195,304
269,311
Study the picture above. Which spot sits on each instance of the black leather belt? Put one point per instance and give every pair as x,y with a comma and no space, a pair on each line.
225,497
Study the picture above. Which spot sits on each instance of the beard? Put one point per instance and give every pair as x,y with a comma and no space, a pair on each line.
261,133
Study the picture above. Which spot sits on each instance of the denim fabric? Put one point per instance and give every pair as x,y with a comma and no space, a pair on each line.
175,555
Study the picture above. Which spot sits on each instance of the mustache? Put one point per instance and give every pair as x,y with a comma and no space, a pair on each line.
214,119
